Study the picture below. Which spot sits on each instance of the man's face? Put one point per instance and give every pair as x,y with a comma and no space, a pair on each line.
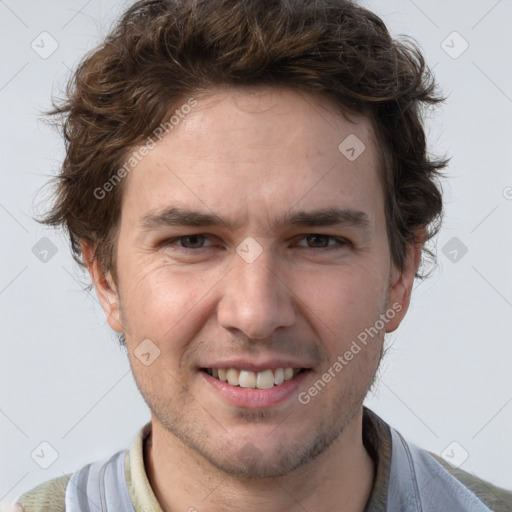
270,283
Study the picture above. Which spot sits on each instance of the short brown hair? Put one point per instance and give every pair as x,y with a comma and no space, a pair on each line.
160,51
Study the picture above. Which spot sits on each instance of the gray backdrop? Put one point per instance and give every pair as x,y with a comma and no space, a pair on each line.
446,383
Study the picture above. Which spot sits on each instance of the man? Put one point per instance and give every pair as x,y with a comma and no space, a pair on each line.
248,185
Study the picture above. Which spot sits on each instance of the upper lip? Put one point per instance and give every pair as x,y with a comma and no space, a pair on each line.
251,365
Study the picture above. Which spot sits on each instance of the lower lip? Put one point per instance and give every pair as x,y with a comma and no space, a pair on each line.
252,398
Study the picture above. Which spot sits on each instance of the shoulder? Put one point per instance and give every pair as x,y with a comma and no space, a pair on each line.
46,497
418,476
496,498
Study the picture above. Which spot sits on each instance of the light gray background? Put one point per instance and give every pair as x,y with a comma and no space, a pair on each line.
448,375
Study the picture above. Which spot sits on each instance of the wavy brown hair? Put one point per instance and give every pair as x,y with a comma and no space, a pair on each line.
162,51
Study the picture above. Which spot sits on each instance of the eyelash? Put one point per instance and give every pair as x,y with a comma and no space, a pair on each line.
341,242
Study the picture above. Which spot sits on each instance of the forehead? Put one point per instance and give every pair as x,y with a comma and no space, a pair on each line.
258,153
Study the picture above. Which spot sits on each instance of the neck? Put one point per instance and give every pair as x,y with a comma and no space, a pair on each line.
341,478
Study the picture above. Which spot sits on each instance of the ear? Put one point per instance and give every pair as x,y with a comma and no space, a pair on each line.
105,288
402,281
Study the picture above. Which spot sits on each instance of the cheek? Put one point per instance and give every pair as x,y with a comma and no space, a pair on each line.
163,303
345,300
161,307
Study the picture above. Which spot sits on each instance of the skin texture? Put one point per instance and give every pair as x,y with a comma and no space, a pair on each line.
250,156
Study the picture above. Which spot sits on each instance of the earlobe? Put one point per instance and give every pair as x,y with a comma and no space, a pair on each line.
105,287
402,281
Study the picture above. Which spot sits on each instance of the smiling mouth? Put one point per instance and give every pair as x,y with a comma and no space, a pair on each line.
265,379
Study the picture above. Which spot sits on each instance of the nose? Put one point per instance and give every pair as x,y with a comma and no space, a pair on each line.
256,299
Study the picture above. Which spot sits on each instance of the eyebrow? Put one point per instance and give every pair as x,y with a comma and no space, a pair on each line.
174,216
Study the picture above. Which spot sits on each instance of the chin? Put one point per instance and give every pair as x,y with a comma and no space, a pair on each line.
275,459
249,462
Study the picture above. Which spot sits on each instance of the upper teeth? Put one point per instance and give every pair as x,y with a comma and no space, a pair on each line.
247,379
